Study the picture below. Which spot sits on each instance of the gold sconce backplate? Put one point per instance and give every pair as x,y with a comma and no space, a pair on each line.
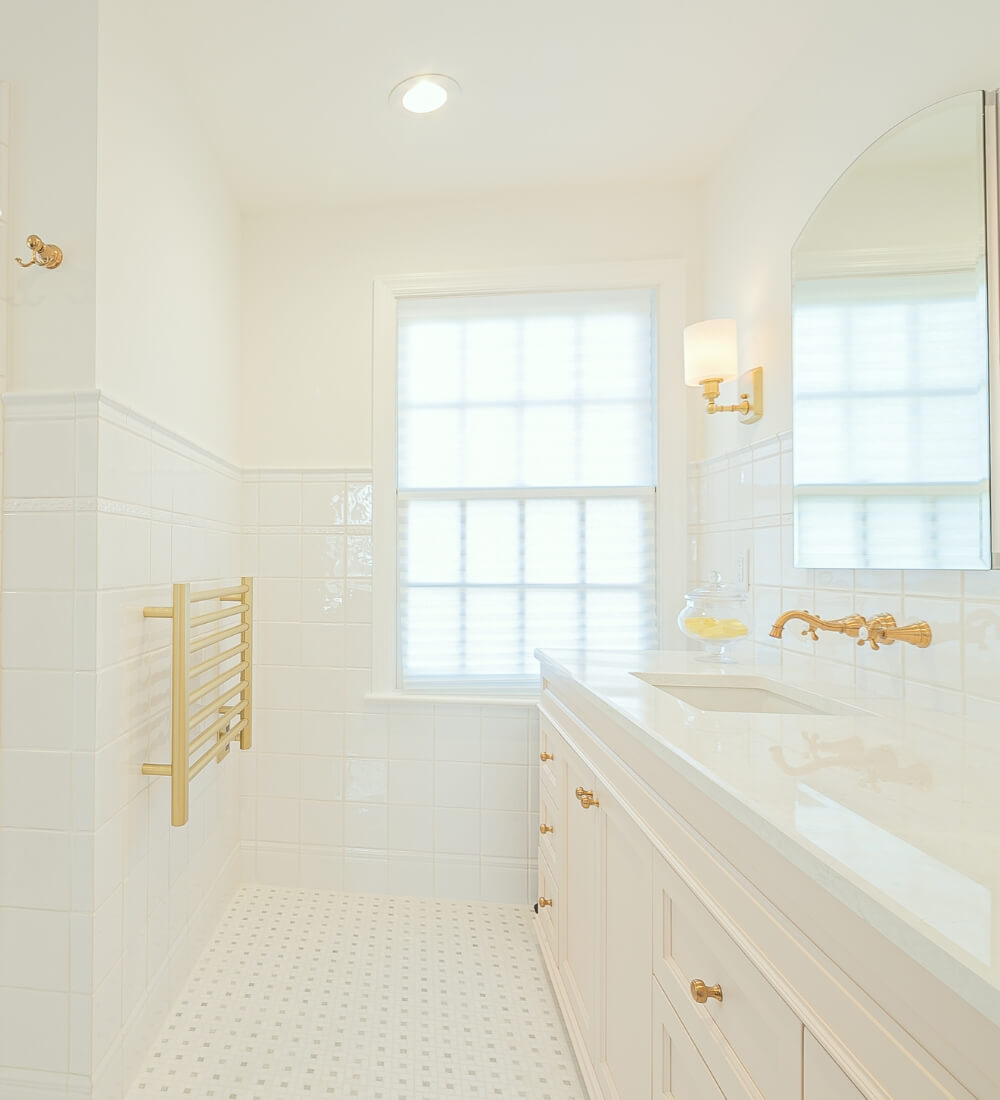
752,391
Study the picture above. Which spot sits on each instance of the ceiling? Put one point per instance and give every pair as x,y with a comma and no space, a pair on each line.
294,94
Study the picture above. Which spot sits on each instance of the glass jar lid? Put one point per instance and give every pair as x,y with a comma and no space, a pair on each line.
717,589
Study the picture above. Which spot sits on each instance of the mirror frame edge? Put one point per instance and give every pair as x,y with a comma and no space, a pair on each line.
991,153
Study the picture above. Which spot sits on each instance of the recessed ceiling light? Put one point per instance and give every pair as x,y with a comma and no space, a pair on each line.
424,93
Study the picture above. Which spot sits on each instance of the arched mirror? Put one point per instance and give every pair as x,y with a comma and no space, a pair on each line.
891,363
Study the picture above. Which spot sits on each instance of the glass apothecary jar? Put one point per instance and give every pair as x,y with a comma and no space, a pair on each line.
717,615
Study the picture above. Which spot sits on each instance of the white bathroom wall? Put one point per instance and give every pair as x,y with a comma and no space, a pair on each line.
106,906
307,292
760,195
168,243
741,503
50,64
342,792
757,200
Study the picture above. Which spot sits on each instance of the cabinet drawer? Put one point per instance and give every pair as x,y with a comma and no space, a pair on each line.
822,1078
679,1073
548,915
751,1040
550,818
551,762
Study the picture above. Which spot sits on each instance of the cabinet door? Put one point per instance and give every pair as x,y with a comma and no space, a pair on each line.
578,933
678,1070
822,1078
626,954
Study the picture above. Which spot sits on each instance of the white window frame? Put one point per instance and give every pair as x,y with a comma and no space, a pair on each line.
666,278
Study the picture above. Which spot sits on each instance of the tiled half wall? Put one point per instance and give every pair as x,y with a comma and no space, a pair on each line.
343,792
103,906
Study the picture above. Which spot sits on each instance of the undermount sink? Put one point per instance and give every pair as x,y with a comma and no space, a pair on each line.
746,695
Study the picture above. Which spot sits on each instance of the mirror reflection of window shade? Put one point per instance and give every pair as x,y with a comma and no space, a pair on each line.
891,396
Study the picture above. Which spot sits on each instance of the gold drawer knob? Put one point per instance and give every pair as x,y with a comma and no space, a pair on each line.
586,798
702,992
543,829
543,756
543,902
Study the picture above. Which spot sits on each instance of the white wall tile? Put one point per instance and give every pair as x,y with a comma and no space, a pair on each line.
36,709
365,780
279,503
39,458
35,789
505,833
411,782
411,828
36,949
323,503
457,785
365,826
38,550
34,1030
322,777
37,630
456,831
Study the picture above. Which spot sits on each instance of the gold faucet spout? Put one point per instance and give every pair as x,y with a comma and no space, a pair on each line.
850,625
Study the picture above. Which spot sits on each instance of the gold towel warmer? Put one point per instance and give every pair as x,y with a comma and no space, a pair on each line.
183,724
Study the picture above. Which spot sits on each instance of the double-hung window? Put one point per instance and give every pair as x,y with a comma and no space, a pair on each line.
525,483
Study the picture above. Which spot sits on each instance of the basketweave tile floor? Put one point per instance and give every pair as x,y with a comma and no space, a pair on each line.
310,994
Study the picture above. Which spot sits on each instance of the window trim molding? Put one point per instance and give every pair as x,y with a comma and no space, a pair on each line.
666,277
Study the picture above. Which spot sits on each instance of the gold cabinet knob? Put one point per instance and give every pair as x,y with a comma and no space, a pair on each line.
543,902
543,756
586,798
702,992
543,829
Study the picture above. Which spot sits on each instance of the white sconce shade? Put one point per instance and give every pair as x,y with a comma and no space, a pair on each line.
710,351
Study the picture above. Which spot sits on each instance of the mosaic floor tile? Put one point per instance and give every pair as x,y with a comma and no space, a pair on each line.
306,994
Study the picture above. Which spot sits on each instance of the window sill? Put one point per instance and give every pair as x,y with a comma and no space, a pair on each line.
409,697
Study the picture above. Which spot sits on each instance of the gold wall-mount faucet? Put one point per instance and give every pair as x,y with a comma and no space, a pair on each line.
878,631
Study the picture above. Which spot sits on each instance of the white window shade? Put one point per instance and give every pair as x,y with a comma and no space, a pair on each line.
525,483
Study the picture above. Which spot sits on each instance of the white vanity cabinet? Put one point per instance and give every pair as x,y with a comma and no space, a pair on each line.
822,1078
651,890
601,958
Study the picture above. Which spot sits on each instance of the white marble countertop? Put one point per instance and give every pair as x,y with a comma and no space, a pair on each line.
895,812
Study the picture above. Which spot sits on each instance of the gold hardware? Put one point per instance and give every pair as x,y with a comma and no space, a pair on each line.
42,254
702,992
878,631
543,829
233,703
882,630
543,756
751,404
586,798
543,902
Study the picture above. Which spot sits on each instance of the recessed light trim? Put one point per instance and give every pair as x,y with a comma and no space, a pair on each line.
424,93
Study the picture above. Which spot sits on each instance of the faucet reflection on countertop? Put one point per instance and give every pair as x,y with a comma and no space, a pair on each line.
876,765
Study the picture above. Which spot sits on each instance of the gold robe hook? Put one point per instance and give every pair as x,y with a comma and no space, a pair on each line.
42,254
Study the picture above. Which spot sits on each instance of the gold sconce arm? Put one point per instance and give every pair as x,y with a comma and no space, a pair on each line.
42,254
751,404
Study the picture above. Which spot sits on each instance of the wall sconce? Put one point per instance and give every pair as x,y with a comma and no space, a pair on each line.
710,358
